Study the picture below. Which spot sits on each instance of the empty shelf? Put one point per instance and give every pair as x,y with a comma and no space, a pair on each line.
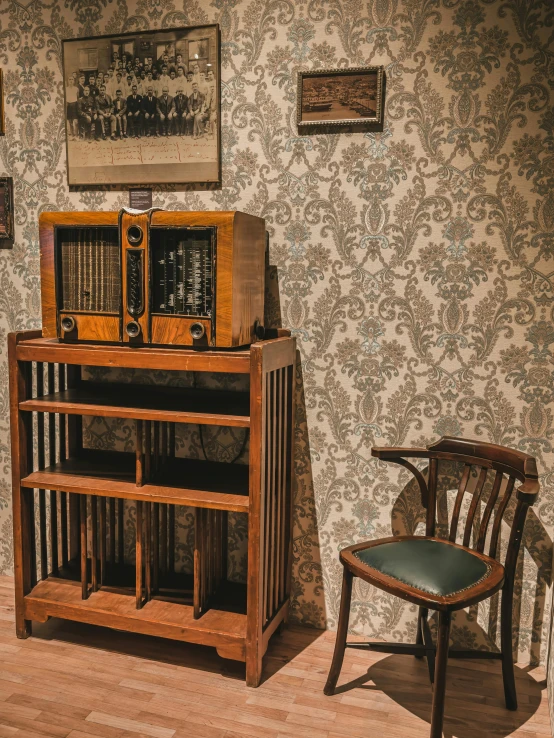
180,481
148,402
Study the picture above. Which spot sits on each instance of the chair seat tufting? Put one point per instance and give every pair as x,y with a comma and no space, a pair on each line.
436,567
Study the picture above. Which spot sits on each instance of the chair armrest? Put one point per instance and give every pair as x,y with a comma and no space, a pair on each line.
396,456
394,452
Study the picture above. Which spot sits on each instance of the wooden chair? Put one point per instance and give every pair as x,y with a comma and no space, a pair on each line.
438,574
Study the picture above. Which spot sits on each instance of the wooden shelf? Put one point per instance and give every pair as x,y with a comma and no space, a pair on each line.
56,598
121,579
235,361
172,586
210,484
77,547
147,402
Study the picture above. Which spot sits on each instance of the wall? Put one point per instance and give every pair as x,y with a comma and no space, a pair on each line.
413,265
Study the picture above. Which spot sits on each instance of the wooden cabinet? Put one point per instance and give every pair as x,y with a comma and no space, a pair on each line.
70,503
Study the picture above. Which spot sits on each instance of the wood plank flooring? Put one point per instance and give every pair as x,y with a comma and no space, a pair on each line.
77,681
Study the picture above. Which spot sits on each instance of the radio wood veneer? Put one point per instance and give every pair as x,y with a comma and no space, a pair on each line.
69,502
153,278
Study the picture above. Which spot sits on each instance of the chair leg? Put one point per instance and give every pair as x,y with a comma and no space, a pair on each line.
508,675
421,615
437,713
342,632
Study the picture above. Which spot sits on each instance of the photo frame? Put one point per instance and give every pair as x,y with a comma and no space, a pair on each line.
136,142
333,100
6,213
2,112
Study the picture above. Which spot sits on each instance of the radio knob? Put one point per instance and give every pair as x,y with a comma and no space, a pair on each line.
197,330
68,324
132,329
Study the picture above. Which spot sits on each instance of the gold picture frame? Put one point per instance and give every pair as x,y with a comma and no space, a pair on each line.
335,100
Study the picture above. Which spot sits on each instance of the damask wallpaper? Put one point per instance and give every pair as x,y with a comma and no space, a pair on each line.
414,265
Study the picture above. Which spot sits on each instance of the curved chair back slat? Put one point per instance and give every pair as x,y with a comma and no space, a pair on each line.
499,517
509,466
458,504
493,497
474,504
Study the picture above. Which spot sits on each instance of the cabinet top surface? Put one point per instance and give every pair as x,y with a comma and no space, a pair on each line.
158,217
153,357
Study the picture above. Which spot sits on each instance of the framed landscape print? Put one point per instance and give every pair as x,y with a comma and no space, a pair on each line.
335,99
144,107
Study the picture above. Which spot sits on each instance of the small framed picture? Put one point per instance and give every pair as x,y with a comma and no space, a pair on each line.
338,99
6,212
2,120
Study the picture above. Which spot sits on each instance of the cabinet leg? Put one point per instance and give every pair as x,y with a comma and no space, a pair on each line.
23,628
254,667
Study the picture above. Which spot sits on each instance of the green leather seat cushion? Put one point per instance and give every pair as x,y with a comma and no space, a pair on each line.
430,566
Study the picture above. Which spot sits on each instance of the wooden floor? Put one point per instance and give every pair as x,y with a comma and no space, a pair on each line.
82,681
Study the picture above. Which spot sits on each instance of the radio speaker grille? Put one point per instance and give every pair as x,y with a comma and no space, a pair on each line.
90,270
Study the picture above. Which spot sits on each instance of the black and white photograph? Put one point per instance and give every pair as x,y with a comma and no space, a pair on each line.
143,107
340,97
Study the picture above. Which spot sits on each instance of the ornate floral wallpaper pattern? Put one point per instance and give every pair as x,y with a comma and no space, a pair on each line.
414,265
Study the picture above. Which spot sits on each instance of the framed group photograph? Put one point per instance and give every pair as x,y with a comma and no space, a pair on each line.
335,99
6,212
143,107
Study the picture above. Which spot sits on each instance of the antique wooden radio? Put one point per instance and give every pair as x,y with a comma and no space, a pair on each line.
155,277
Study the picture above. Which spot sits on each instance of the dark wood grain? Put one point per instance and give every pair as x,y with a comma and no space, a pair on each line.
54,554
459,500
473,506
94,542
41,462
439,691
120,531
139,453
22,501
342,632
84,567
139,555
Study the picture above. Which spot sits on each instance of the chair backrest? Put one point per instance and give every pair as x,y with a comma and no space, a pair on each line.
501,463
